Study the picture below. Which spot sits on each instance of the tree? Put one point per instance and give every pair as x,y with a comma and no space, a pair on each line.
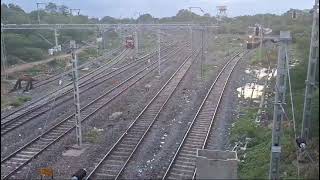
63,10
145,18
108,20
51,8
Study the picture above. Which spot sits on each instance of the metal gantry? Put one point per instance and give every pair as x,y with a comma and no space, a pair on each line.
278,114
311,76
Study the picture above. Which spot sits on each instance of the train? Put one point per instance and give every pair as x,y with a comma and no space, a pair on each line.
129,43
253,39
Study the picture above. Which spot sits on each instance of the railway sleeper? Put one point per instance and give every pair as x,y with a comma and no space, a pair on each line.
123,149
122,153
193,141
127,146
28,152
116,162
189,150
24,155
191,146
190,163
196,136
23,159
182,171
104,176
184,166
199,129
117,157
187,157
187,153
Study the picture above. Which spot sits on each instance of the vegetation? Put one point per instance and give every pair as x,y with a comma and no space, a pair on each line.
16,102
258,152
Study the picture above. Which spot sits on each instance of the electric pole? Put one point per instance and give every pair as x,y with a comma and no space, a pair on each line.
76,92
202,55
3,57
136,42
311,76
159,46
278,114
56,39
38,11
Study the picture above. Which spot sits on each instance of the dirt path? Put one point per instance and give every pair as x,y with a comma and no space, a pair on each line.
23,67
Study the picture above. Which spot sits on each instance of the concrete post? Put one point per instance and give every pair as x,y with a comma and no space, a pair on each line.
216,164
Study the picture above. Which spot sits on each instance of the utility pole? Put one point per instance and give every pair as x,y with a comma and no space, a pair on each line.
3,57
202,55
159,46
261,41
136,41
190,38
76,92
38,11
278,114
56,38
311,76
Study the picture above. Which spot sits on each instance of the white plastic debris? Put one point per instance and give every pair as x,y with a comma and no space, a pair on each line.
97,129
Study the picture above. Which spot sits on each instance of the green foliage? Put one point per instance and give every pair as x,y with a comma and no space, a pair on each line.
92,136
19,101
258,152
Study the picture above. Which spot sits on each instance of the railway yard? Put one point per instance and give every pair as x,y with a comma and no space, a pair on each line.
189,96
135,122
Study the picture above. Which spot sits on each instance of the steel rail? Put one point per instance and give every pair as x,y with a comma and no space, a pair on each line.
188,164
153,114
3,123
53,134
18,121
45,96
57,76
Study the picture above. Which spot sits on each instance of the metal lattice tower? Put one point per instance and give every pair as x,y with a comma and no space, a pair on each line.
76,92
311,76
221,12
278,114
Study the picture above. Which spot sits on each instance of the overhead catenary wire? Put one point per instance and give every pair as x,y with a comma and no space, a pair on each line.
49,114
292,108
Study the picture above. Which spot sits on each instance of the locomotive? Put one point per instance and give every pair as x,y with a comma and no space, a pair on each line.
129,42
253,39
254,36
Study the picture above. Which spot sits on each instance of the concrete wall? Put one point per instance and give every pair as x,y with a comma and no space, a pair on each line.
215,164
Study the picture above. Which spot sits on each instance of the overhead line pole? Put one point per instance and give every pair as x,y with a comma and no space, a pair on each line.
76,92
159,46
311,76
38,11
278,114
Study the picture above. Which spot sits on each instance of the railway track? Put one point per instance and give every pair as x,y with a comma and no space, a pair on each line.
21,157
45,98
9,125
55,77
182,165
116,159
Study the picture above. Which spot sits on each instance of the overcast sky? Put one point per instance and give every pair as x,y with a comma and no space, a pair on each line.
166,8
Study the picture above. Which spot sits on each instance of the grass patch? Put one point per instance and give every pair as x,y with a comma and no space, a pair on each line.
92,136
16,102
